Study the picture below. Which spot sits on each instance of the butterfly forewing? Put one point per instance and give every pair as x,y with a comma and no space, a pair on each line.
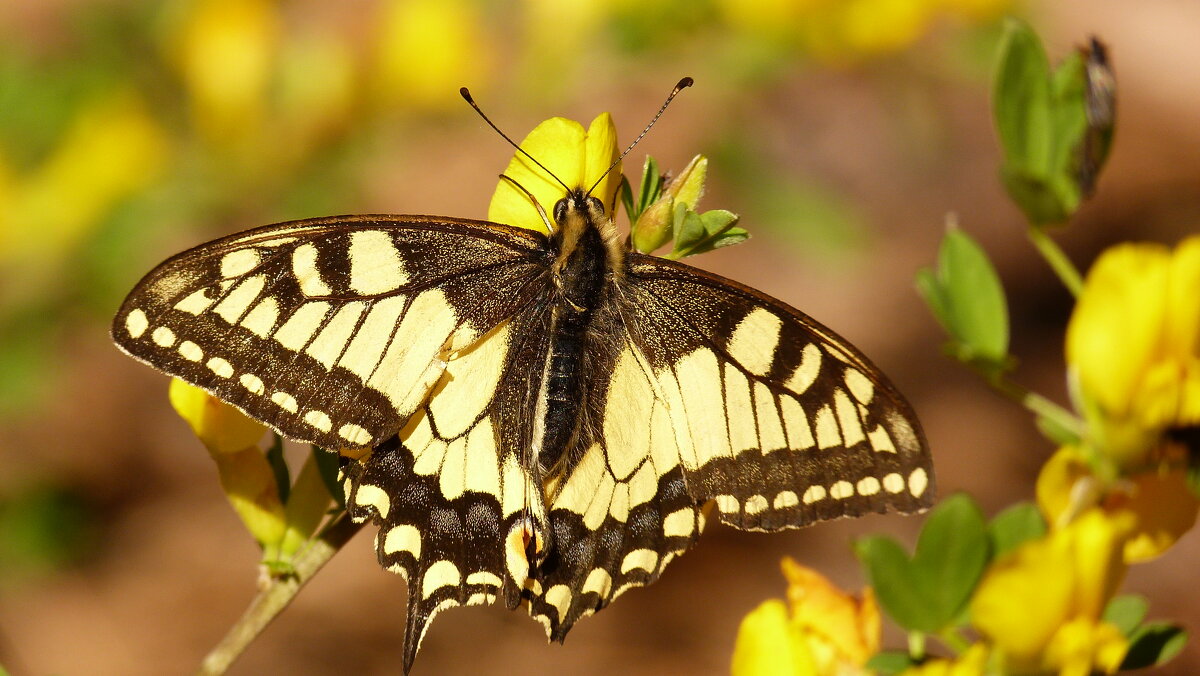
330,330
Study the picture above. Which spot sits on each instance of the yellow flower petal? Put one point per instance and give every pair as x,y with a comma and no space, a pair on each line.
1133,346
850,627
576,157
1083,645
1027,596
221,427
1164,507
1066,486
768,645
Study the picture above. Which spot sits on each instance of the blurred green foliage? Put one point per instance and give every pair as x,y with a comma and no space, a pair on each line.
43,527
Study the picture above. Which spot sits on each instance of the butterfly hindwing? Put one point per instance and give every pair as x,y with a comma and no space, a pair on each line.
330,330
452,487
778,420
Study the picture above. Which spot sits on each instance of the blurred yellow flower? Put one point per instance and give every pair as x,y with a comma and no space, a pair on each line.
1133,347
971,663
822,631
426,49
576,157
111,150
226,51
232,440
1163,506
841,31
1041,605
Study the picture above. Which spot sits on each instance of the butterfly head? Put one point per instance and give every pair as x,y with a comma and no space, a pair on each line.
577,209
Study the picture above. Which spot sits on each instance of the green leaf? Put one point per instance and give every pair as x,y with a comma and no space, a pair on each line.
966,297
950,556
329,466
1042,121
1021,100
895,581
651,185
625,192
890,662
275,459
699,233
1015,526
1154,644
1127,612
929,592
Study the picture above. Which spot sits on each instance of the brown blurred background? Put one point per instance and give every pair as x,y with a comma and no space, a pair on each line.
842,132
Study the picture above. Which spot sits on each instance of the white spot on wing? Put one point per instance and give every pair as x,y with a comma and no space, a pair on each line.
195,303
355,434
880,440
136,323
643,559
374,496
253,383
680,523
234,305
237,263
441,574
808,370
918,481
318,419
163,337
286,401
756,504
262,317
841,490
375,264
785,499
867,486
559,596
190,351
827,428
893,483
859,385
220,367
304,267
813,494
403,538
754,341
847,415
300,327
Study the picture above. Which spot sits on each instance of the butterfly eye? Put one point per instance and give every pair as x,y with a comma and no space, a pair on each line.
560,210
596,204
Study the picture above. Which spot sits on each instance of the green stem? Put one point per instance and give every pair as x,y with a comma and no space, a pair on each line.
916,645
1039,405
277,594
1062,266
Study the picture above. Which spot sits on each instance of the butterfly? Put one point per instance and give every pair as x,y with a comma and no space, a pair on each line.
552,416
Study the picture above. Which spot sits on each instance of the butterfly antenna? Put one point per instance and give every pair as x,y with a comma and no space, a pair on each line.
467,96
679,86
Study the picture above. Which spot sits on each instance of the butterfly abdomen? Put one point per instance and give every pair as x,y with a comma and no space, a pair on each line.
579,283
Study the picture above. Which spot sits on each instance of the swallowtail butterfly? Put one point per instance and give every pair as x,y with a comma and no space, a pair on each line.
550,416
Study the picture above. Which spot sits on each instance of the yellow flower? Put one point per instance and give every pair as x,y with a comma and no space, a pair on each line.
1040,606
426,49
1133,347
821,631
232,440
576,157
970,663
226,52
1158,499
